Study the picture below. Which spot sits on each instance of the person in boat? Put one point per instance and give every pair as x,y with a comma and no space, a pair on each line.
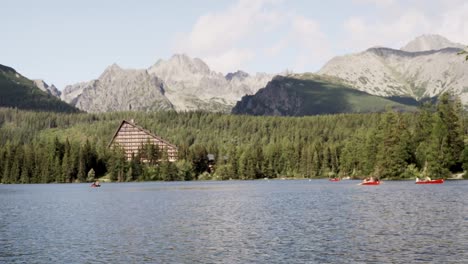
427,178
96,184
368,179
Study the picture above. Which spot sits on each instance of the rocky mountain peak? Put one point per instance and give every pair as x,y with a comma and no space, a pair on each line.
181,64
46,88
430,42
430,69
111,72
113,68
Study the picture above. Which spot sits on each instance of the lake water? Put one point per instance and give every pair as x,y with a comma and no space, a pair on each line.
281,221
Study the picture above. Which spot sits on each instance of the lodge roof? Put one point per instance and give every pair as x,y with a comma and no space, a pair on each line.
142,130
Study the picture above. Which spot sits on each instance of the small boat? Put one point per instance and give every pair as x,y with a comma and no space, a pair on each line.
438,181
334,179
95,185
370,183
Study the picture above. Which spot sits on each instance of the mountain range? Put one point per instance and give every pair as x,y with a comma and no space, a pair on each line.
180,83
423,68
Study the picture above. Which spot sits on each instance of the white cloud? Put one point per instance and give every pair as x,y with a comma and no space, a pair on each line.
213,32
230,39
382,3
267,32
313,45
276,48
219,37
393,32
405,21
230,60
454,24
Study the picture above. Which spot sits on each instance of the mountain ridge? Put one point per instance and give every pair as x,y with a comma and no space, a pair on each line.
391,72
20,92
184,84
430,42
311,94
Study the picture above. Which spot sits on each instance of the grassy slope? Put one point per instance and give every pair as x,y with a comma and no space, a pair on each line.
326,95
20,92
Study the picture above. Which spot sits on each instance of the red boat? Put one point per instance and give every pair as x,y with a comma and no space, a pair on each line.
334,179
370,183
438,181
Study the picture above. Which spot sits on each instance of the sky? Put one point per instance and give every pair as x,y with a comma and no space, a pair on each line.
66,42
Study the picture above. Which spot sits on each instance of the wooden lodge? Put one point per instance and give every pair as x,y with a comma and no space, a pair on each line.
131,138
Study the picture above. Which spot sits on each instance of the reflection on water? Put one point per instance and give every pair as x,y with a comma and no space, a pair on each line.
235,222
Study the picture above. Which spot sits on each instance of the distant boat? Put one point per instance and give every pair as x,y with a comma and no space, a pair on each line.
370,182
334,179
438,181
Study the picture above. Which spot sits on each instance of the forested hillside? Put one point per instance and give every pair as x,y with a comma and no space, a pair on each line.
55,147
20,92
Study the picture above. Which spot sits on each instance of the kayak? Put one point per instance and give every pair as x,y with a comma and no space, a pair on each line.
94,185
370,183
438,181
334,179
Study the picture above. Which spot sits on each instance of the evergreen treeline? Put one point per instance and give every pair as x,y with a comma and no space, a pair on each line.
39,147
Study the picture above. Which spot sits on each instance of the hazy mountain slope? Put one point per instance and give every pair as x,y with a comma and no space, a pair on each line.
430,42
20,92
310,94
118,90
191,82
389,72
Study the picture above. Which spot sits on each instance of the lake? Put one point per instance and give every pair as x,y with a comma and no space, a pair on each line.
265,221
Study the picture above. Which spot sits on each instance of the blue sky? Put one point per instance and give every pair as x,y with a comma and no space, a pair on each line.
64,42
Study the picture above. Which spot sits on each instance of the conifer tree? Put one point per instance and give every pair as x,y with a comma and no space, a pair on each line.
393,154
81,177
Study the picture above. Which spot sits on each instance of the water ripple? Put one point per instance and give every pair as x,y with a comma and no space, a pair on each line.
234,222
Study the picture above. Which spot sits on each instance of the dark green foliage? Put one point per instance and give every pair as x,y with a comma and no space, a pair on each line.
19,92
52,147
394,153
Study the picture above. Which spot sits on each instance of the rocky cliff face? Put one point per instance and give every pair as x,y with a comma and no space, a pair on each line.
180,83
52,90
389,72
277,99
191,85
118,90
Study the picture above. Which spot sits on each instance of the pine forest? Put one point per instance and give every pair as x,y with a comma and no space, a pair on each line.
47,147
